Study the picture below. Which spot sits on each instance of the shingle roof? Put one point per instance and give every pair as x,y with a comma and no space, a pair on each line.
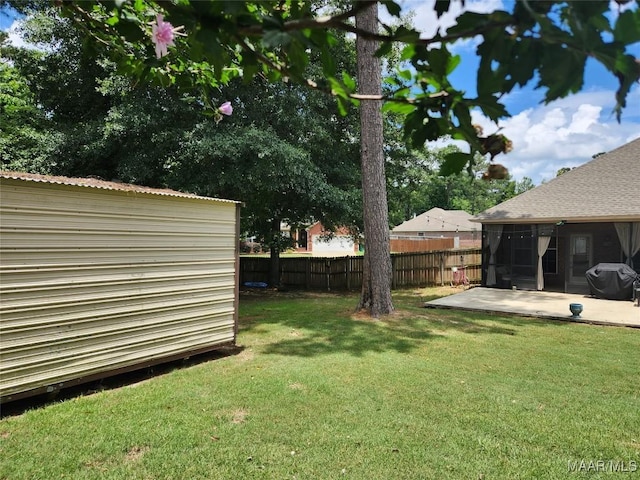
604,189
438,220
101,184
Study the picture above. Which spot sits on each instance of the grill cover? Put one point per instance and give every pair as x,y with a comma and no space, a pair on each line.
613,281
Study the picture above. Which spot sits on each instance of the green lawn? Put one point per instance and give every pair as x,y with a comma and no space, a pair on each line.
319,394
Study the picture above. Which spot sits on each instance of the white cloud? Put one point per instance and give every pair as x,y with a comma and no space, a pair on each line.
427,22
565,133
16,40
14,35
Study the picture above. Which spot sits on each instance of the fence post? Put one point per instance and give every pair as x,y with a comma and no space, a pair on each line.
307,273
394,273
327,269
442,269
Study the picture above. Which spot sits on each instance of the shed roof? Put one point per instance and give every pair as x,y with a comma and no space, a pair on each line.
603,190
101,184
438,220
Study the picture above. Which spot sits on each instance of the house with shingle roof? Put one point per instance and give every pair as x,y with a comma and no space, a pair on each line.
439,223
548,237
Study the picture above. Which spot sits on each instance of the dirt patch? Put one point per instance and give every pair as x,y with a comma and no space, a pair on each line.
4,435
239,416
438,291
404,314
246,355
297,386
136,453
97,465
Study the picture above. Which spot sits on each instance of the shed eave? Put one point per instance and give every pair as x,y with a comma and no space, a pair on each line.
103,185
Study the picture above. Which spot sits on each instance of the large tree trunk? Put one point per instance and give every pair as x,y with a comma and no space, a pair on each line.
376,281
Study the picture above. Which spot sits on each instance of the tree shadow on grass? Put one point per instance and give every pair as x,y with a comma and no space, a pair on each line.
326,323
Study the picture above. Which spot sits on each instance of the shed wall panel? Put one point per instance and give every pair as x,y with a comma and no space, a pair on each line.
95,280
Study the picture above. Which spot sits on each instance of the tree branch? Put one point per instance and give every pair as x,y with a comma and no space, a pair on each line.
92,21
338,23
314,86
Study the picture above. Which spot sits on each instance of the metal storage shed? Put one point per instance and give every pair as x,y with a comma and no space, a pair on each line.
101,277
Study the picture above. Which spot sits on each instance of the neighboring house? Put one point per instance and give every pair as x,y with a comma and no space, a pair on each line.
319,242
548,237
439,223
314,240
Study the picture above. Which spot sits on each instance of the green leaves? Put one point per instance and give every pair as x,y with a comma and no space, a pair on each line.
561,72
398,107
627,28
491,107
392,7
342,91
349,82
454,163
469,24
442,7
275,38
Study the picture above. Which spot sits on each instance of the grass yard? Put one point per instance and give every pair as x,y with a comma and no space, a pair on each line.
317,393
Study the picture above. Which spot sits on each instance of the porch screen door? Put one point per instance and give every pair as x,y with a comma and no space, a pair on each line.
580,258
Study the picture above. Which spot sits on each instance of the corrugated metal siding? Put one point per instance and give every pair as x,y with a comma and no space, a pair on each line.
97,280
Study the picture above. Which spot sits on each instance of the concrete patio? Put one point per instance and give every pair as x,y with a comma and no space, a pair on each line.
542,305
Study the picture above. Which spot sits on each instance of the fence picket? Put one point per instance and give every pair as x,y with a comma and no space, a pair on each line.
414,269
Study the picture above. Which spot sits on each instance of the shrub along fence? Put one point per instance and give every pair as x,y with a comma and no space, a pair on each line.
418,269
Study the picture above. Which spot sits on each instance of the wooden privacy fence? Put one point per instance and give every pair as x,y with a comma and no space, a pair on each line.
421,244
345,273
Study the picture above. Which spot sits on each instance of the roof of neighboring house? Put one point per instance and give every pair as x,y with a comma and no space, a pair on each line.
101,184
438,220
603,190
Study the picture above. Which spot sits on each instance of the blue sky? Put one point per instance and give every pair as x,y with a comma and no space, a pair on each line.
564,133
5,19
